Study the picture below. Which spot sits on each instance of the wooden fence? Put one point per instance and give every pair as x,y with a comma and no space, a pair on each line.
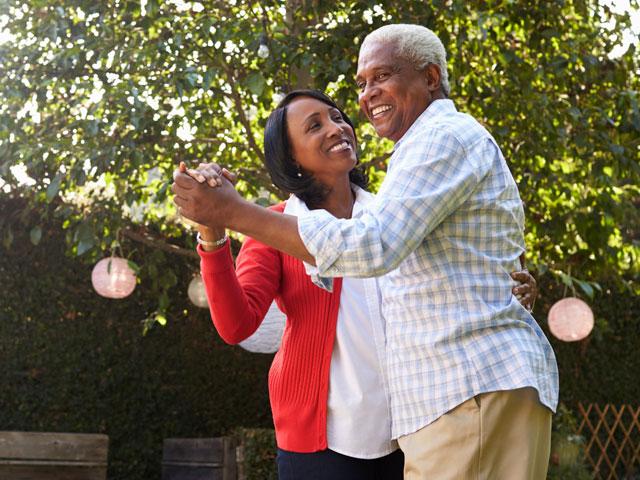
612,440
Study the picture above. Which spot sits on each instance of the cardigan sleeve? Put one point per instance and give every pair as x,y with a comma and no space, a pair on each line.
239,298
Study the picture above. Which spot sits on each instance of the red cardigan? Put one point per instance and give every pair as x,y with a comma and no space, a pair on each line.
299,374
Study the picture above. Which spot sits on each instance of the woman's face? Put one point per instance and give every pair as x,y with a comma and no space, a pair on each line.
322,143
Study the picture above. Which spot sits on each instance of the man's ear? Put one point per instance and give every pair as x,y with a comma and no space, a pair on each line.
434,78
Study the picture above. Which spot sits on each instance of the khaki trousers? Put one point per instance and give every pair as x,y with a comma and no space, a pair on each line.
502,435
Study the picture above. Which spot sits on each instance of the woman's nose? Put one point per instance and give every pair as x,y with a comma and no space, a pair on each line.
335,128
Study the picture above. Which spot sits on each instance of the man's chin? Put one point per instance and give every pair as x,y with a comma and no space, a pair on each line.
382,130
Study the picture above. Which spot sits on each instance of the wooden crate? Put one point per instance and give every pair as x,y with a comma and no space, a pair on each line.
199,459
53,456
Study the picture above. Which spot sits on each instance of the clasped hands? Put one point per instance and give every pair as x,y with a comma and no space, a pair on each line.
205,194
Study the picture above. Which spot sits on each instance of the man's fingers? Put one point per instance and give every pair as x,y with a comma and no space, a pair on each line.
184,193
180,201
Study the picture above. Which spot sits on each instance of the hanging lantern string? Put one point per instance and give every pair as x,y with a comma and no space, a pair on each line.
263,43
116,245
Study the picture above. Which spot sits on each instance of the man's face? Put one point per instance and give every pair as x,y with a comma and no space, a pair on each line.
393,93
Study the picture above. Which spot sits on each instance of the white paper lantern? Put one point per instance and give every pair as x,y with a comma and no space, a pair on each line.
267,338
113,278
197,293
570,319
263,51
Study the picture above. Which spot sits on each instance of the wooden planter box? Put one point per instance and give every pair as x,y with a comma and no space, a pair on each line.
53,456
199,459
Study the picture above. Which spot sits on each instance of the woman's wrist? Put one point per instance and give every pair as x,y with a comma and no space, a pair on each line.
211,238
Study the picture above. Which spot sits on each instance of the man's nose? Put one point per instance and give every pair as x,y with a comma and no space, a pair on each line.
367,94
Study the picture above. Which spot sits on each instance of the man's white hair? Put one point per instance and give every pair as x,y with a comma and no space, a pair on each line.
415,43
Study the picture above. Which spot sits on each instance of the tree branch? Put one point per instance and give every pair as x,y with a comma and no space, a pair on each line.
153,242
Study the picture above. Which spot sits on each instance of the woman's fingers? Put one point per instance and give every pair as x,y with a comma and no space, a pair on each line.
212,175
232,177
527,291
208,172
196,175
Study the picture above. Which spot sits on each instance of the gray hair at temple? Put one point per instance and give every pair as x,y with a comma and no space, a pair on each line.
415,43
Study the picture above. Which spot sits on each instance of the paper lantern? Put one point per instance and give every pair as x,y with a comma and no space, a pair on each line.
113,278
197,293
570,319
267,338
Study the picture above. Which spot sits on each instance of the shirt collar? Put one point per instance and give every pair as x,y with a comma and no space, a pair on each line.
435,108
297,207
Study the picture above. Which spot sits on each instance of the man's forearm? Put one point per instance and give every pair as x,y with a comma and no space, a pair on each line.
271,228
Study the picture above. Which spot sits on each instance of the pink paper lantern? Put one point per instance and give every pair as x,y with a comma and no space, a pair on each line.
570,319
113,278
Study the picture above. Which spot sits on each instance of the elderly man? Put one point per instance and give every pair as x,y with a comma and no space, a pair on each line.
473,380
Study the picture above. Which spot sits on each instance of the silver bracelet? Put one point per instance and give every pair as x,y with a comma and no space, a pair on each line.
216,243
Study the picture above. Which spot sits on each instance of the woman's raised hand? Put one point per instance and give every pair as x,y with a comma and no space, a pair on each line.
210,173
527,291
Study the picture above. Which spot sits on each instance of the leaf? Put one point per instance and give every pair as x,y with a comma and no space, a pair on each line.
35,235
586,288
161,318
255,83
134,266
7,239
208,78
616,149
566,279
54,187
85,238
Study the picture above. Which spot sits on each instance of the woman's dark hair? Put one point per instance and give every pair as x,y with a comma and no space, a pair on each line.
279,160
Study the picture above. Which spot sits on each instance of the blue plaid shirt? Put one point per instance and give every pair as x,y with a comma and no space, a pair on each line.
447,229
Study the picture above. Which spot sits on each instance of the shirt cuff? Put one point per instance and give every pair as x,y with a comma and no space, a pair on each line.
215,261
323,241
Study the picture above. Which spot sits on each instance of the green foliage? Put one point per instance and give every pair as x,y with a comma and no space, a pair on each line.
259,453
100,100
567,448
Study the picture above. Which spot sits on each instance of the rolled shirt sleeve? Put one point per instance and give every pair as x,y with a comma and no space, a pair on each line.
428,179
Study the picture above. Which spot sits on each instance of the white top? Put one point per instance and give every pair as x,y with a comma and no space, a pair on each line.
358,410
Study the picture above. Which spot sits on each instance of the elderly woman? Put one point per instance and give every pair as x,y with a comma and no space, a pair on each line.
327,384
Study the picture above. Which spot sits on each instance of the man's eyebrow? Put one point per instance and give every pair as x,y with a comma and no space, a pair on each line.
392,67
